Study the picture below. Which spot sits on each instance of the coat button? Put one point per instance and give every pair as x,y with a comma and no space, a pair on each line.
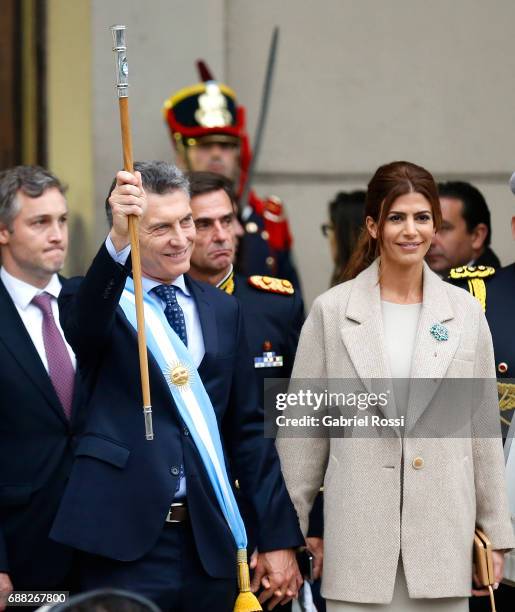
418,463
502,368
175,470
186,431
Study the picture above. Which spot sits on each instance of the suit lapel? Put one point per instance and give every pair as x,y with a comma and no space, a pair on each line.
18,342
206,316
431,357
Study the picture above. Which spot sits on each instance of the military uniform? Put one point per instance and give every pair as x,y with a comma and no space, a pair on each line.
208,111
273,314
266,245
495,290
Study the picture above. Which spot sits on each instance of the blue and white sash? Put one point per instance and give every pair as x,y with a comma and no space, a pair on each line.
191,400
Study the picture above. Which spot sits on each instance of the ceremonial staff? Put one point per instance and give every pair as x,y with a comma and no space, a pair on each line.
122,86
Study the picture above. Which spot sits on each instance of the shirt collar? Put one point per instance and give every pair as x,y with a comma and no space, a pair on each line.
180,282
23,293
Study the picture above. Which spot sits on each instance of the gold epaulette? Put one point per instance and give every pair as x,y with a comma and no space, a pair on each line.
272,285
475,277
471,272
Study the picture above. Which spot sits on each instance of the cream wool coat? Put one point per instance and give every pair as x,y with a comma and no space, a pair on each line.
462,479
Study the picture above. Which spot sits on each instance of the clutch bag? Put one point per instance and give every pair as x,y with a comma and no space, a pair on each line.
484,564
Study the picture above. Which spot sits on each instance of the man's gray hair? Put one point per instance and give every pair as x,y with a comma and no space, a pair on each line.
157,177
32,181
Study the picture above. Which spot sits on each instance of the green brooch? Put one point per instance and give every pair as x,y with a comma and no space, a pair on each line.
439,332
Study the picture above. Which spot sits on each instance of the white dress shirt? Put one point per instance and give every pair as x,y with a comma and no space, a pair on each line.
22,295
196,346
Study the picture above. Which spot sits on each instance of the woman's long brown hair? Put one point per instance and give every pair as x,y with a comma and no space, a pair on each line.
388,183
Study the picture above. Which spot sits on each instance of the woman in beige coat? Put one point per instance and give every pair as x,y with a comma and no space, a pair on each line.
400,510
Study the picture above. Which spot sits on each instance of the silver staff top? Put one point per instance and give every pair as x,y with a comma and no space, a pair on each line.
121,65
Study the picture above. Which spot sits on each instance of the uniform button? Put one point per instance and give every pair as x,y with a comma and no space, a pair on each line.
502,368
175,470
251,227
265,235
418,463
270,261
186,431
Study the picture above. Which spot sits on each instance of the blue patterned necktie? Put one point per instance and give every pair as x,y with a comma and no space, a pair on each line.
173,312
174,316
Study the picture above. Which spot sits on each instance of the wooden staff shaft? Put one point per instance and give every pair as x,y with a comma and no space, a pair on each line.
128,165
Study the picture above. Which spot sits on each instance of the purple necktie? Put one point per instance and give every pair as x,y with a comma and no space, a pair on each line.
60,368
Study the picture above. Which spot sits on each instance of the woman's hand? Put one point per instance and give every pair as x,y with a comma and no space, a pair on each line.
498,559
316,547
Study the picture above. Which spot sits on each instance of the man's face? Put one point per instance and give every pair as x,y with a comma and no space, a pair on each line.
214,250
167,235
34,245
453,245
220,157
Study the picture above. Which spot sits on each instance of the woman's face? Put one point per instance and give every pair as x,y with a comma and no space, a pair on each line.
407,232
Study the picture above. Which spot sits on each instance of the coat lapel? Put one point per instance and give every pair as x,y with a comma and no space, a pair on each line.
365,343
18,342
364,340
431,357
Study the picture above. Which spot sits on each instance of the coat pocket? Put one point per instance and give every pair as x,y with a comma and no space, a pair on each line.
105,450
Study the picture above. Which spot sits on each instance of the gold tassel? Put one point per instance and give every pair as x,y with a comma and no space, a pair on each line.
246,600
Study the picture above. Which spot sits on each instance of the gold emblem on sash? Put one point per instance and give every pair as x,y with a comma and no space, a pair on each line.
179,375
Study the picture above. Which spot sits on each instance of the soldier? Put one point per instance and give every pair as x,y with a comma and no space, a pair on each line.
209,134
495,290
272,308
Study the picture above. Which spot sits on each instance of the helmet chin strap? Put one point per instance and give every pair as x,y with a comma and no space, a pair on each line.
182,151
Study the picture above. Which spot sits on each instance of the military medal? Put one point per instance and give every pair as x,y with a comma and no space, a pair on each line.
268,359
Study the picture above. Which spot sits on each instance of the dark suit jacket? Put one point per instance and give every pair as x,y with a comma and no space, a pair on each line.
121,485
36,454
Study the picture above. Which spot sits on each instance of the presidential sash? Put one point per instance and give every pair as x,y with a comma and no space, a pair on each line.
196,410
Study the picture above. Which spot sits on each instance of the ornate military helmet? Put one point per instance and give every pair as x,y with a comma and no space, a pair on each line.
205,112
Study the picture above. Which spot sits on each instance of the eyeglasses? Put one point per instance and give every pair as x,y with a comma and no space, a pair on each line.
326,229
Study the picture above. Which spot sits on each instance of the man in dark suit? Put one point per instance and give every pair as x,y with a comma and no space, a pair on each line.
145,511
39,402
465,235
